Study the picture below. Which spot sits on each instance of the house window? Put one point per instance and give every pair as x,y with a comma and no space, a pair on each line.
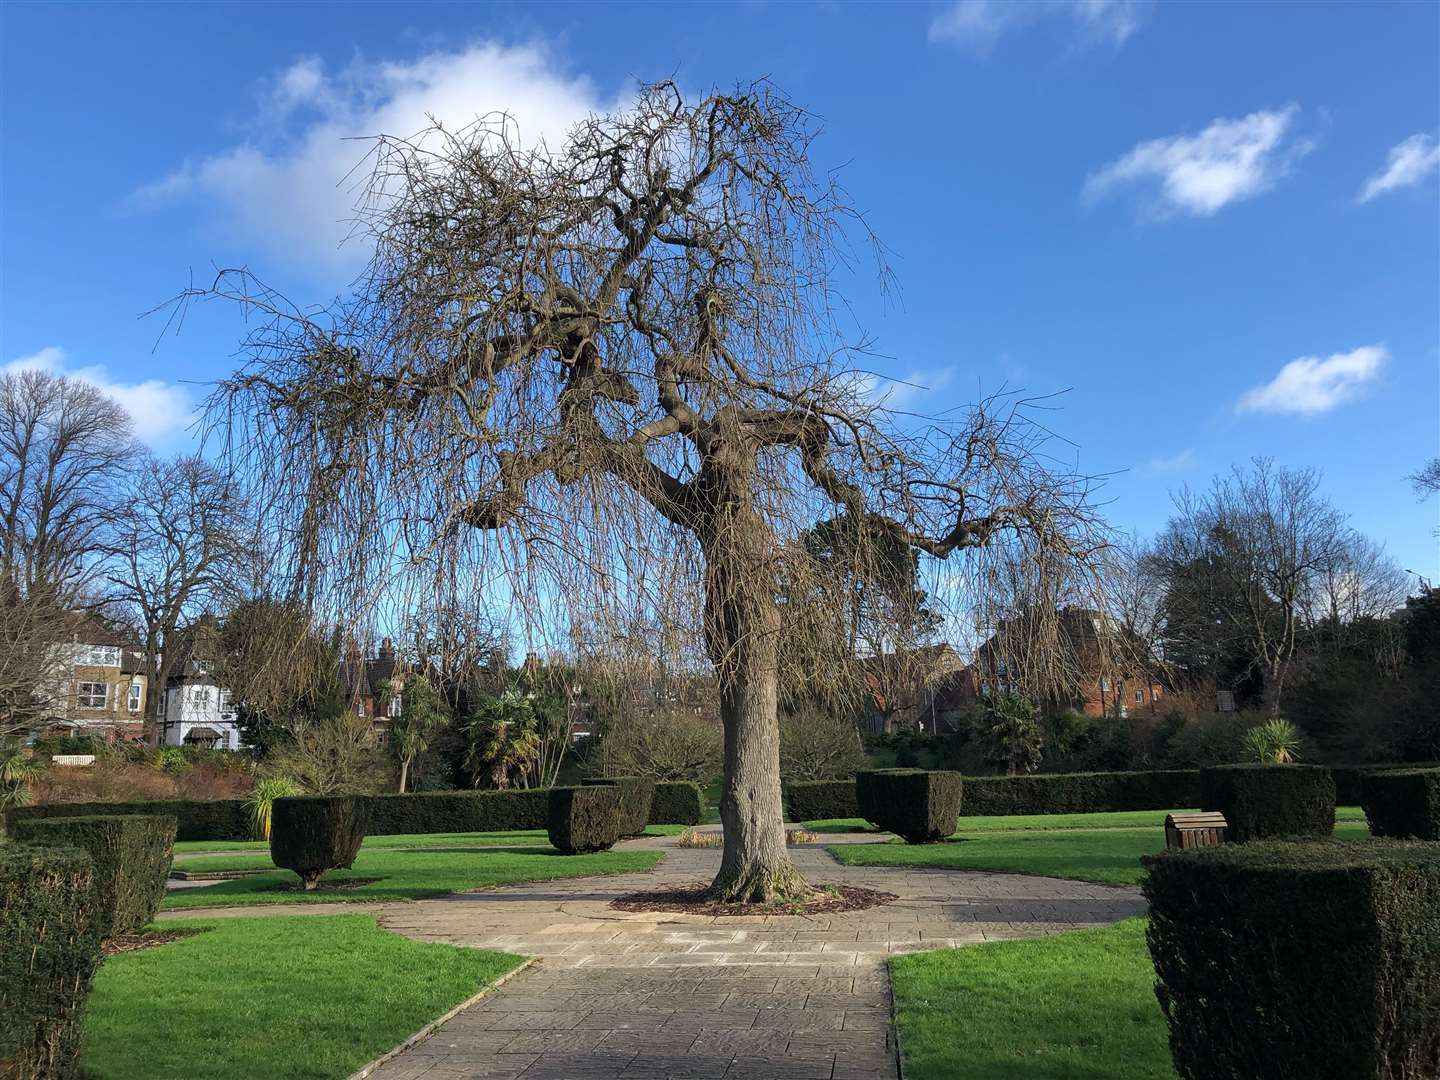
360,709
132,702
97,655
92,695
204,667
199,695
394,708
1104,686
1139,697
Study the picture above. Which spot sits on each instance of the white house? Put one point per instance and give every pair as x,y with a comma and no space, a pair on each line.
198,712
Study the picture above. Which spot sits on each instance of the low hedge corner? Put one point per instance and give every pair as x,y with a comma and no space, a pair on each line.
1268,802
585,819
921,806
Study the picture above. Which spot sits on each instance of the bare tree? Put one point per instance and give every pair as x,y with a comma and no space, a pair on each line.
614,374
64,449
176,552
1427,481
1263,542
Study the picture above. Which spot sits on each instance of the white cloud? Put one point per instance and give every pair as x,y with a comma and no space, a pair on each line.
159,410
1199,174
291,187
1408,164
1174,463
1311,385
911,393
977,24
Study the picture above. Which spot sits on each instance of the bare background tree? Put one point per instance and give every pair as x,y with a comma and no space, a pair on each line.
612,376
177,551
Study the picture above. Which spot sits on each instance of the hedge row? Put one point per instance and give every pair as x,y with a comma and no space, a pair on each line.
1316,960
1403,804
820,800
1266,802
195,819
1350,779
49,949
312,835
130,856
458,811
584,819
677,802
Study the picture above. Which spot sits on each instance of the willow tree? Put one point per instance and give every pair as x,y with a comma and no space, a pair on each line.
615,373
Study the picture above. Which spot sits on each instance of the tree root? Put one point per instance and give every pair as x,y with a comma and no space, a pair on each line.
763,885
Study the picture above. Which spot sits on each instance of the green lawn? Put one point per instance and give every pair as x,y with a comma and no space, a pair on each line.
1109,856
1079,1006
1125,819
279,998
516,838
404,874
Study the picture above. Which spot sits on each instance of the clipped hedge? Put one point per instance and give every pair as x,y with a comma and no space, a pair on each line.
1403,804
312,835
1299,960
457,811
1350,779
1266,802
918,805
49,950
195,819
130,856
677,802
636,796
819,800
584,819
1082,793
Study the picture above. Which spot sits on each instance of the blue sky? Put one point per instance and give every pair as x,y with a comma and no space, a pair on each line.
1216,226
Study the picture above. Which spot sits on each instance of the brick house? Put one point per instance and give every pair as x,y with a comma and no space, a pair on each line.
915,690
98,684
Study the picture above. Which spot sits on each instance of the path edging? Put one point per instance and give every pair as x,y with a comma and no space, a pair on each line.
429,1029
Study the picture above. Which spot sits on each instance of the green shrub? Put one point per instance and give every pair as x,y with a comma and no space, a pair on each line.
131,857
1350,778
817,800
584,819
636,796
677,802
195,819
1262,802
919,805
1299,961
315,834
1405,804
49,949
1082,793
458,811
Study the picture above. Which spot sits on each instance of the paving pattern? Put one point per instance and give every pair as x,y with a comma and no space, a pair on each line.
646,996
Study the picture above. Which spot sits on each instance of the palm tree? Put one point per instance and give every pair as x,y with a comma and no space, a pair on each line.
1275,742
17,771
502,740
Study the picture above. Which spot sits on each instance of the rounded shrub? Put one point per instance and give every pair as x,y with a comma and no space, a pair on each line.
818,800
920,806
313,835
49,950
130,855
584,819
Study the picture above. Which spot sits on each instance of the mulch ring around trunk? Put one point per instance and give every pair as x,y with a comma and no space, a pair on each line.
692,900
123,943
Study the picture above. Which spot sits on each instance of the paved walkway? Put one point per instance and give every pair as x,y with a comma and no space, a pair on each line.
654,995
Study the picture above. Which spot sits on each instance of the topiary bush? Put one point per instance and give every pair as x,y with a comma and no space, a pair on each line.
677,802
918,805
1350,779
130,857
1311,961
636,796
312,835
457,811
195,819
1082,793
1263,802
584,819
49,950
819,800
1403,804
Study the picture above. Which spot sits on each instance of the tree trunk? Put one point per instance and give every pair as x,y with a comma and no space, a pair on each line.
742,631
404,773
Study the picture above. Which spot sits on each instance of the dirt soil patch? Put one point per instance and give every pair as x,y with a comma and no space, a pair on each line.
123,943
327,886
691,900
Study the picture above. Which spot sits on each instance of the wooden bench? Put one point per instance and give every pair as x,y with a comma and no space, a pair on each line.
1195,830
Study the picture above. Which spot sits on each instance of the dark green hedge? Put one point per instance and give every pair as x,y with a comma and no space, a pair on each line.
637,794
315,834
195,819
1299,961
585,818
1082,793
919,805
130,853
819,800
49,949
1349,779
1405,804
457,811
1265,802
677,802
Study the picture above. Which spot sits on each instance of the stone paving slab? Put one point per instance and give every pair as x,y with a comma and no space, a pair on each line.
651,996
